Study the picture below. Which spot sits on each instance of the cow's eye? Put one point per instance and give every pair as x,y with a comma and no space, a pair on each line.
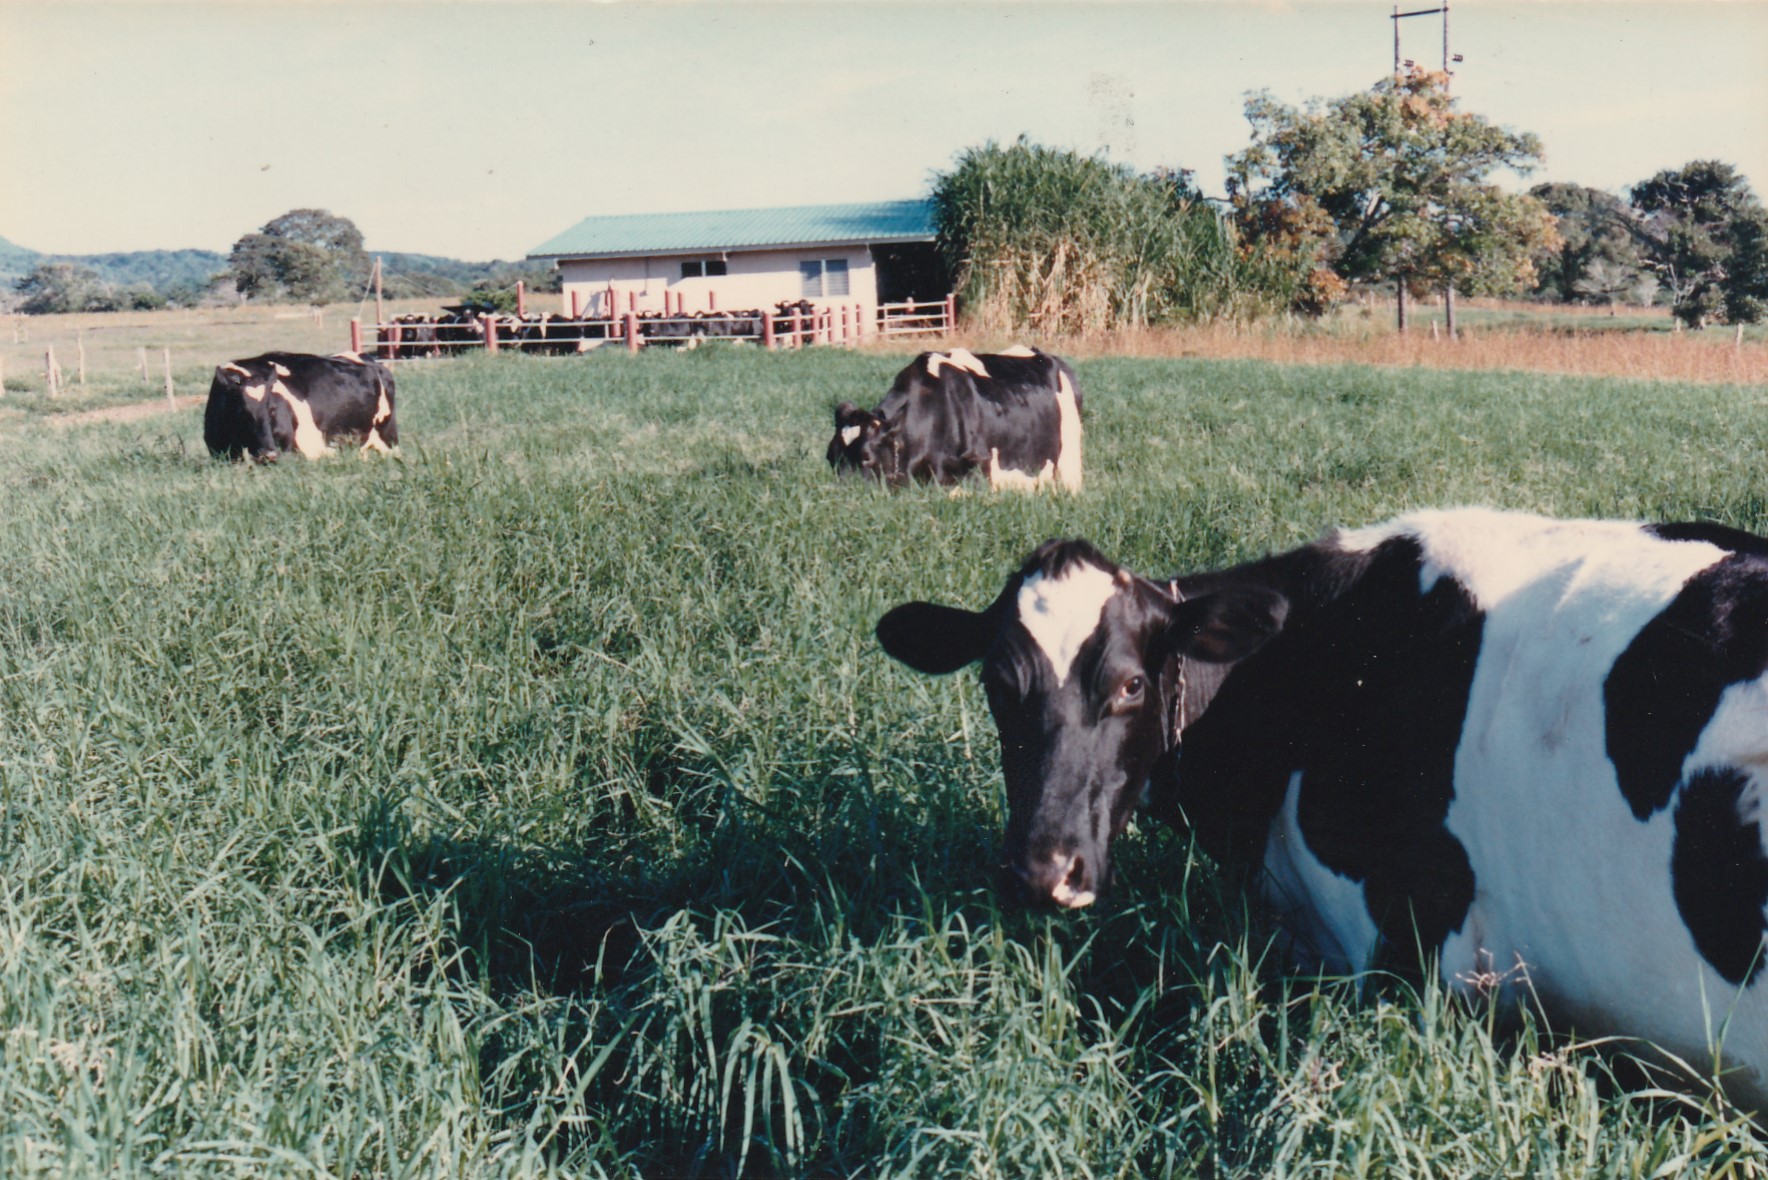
1129,693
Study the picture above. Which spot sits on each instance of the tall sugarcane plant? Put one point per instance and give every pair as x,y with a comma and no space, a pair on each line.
1050,241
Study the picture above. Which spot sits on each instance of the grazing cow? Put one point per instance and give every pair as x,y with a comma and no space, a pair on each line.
293,401
1014,415
1535,750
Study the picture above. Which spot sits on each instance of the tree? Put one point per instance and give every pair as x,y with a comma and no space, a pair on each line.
1400,177
309,255
1597,230
1703,242
56,287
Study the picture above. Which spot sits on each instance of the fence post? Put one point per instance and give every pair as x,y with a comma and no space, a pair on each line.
392,353
141,355
797,329
951,313
51,373
490,332
171,402
767,331
521,298
631,332
576,304
711,300
632,301
2,375
355,343
80,343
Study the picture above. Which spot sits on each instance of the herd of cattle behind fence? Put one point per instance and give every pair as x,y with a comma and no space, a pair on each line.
788,325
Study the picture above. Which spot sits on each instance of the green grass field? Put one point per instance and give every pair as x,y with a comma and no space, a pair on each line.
538,803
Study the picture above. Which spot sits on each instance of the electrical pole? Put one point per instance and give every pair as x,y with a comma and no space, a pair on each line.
1448,74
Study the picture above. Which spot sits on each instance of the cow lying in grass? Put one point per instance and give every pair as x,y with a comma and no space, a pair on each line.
1014,416
292,401
1536,750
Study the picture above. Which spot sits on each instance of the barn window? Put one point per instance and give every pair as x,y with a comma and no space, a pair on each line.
825,276
703,268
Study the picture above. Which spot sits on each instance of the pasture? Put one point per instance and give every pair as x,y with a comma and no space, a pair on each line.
538,803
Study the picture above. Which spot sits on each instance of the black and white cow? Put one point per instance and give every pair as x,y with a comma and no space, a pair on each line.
1536,749
1014,415
284,401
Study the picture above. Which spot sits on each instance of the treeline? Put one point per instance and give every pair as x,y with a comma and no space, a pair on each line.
1388,190
304,256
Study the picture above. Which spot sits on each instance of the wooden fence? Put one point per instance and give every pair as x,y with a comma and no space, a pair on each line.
838,325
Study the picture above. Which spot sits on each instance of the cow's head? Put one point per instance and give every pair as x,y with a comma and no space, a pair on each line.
241,417
863,444
1083,662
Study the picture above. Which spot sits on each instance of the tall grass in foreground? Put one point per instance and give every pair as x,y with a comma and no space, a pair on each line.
537,803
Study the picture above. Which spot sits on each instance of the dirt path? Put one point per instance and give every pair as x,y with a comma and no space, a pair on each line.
126,413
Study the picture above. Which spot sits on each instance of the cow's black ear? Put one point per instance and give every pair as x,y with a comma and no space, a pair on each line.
936,639
845,413
1229,624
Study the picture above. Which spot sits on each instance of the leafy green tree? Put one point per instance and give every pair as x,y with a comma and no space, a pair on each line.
1702,242
56,287
307,255
1746,272
1401,177
1596,230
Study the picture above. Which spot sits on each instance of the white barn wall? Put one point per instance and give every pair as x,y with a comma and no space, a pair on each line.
755,279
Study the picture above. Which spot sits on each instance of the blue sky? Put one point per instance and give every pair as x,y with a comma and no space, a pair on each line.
479,129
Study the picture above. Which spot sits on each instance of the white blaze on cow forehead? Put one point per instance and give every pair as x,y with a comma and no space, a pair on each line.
1018,350
1495,555
958,358
255,392
848,434
1061,612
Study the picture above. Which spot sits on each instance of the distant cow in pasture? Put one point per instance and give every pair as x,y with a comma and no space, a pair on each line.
283,401
1015,416
1532,751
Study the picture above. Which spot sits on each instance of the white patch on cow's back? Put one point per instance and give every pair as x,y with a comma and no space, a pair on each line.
230,367
1324,911
281,369
1060,613
849,433
1068,466
309,439
1495,554
354,358
959,358
1017,350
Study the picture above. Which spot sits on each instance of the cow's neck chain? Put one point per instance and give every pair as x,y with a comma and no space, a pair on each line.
1179,719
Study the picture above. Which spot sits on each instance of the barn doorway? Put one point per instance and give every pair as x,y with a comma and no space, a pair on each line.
910,271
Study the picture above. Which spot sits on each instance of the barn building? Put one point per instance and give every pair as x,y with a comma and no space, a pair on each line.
866,254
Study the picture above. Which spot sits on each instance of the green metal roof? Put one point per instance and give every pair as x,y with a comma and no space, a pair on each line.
738,229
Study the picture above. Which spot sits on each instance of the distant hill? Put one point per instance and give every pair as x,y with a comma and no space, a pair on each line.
188,271
158,269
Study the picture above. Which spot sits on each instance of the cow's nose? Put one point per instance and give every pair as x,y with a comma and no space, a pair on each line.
267,457
1060,880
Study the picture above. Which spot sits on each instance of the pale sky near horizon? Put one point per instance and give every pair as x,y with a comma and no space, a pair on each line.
478,129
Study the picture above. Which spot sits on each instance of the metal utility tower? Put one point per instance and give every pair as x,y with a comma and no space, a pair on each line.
1448,76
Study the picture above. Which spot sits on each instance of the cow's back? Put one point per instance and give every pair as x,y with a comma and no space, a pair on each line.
1536,748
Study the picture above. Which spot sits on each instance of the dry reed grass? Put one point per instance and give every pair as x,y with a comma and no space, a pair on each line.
1495,335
